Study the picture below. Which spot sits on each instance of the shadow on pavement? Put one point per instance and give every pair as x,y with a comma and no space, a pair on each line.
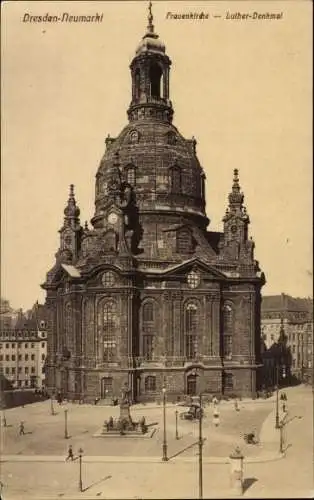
248,482
185,449
97,482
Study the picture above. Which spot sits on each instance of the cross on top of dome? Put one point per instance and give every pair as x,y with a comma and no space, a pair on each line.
150,41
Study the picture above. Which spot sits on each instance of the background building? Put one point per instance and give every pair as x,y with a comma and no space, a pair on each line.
147,296
8,316
23,349
297,317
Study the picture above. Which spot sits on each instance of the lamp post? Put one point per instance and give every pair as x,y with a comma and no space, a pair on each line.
51,405
164,444
4,419
200,448
277,426
177,434
66,424
80,453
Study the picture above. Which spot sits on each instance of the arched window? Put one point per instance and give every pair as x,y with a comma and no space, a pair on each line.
148,329
67,328
150,384
202,186
227,330
148,312
109,327
137,84
175,179
191,330
110,241
130,175
155,74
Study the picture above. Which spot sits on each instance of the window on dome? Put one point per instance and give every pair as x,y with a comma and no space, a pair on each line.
184,241
130,175
155,74
175,179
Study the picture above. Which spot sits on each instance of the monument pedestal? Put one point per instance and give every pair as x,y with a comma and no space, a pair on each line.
125,412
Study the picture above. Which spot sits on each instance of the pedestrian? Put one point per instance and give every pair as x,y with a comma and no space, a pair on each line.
215,400
236,405
22,428
216,417
70,454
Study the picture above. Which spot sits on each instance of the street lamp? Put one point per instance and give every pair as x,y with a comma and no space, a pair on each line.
177,434
80,453
200,449
66,424
277,425
4,419
164,444
51,405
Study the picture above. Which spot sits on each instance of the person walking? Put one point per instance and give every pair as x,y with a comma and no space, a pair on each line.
216,419
70,454
22,428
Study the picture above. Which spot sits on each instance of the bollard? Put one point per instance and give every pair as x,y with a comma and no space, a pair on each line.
236,473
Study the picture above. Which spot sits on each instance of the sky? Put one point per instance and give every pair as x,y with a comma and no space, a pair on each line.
242,88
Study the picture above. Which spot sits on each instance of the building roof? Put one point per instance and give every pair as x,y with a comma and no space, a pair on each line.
285,302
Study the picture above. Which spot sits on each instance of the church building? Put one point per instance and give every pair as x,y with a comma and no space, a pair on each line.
147,296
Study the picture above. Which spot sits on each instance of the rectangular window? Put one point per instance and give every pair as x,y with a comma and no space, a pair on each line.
26,357
13,370
26,383
0,346
20,357
228,381
26,369
33,369
7,357
43,345
13,357
150,384
7,371
148,347
32,357
20,369
7,346
26,346
1,357
13,346
32,345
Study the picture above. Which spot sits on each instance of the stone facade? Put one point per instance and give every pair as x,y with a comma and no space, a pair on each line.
147,296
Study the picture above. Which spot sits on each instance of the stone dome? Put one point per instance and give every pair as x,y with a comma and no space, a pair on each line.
151,43
160,165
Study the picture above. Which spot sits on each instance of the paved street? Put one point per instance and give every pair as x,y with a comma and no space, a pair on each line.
45,433
134,475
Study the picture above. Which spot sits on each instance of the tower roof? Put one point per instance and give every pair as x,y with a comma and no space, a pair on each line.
150,41
71,210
